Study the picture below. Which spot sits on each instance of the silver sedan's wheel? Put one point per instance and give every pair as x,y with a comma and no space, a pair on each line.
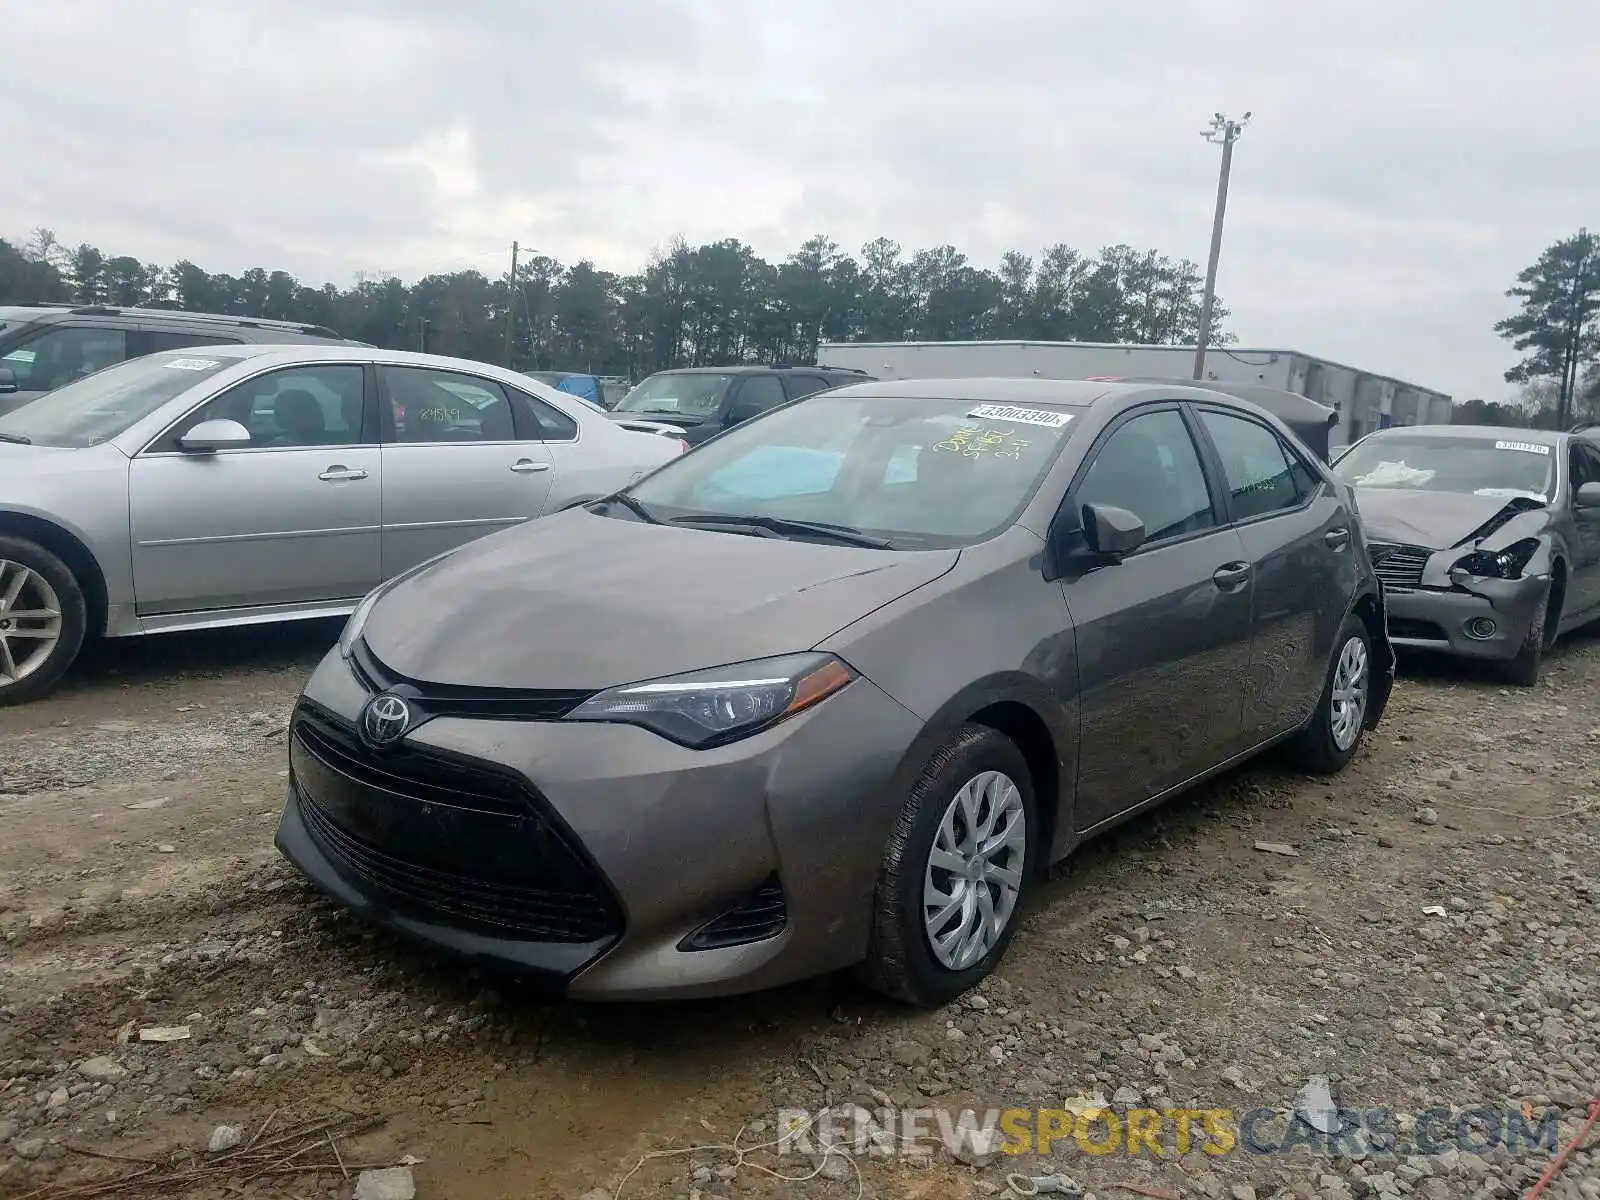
1349,696
30,621
975,870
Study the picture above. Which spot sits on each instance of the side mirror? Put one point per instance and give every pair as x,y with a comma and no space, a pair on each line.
1112,532
1588,496
8,381
210,436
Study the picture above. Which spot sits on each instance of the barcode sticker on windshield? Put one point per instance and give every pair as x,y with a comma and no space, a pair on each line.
1528,447
192,364
1024,416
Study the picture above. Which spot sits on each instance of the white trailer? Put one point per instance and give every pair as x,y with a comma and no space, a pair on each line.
1364,401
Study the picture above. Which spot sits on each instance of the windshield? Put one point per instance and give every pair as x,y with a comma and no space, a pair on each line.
918,474
99,407
688,393
1505,468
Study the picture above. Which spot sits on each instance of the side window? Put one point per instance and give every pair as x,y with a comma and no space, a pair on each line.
295,408
1151,468
805,385
1306,480
61,354
538,420
153,341
757,394
1585,465
443,406
1253,463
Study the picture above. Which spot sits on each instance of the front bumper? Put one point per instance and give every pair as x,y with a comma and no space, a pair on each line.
626,844
1452,621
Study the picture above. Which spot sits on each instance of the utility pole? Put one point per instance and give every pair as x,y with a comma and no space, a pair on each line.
1225,132
511,308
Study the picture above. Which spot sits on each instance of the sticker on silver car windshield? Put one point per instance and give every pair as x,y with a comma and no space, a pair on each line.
1527,447
1025,416
192,364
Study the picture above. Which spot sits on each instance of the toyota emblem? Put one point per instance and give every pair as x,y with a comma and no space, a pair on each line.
385,719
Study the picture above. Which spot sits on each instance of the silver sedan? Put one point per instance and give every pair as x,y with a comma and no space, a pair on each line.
246,484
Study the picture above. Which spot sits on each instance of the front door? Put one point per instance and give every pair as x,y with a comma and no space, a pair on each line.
1583,580
455,464
1163,637
1299,540
291,519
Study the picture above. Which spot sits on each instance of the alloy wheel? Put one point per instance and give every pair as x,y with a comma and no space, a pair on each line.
974,871
30,621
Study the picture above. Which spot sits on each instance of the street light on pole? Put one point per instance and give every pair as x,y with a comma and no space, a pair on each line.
1223,131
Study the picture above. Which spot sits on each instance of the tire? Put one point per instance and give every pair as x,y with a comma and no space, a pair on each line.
27,671
902,961
1523,670
1321,747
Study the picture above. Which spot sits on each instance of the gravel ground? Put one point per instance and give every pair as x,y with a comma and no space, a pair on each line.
1429,944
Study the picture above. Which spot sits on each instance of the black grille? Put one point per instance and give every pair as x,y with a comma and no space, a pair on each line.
426,775
1400,567
759,916
449,700
446,838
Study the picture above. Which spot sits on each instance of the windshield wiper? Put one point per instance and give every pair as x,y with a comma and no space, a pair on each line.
845,534
634,506
16,439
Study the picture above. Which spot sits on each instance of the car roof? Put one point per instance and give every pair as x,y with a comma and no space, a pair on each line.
1499,433
248,325
761,368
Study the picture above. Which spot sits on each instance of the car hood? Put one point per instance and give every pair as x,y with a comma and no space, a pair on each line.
581,602
1437,520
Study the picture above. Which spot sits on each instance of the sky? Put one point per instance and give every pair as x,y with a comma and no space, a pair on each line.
1406,158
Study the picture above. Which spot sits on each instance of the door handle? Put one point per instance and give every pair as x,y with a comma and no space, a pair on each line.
338,474
1337,538
1232,576
526,466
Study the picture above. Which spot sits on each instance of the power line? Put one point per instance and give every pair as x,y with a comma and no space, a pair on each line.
1222,131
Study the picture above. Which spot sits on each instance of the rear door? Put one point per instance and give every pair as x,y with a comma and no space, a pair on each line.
1163,637
1297,538
291,519
457,463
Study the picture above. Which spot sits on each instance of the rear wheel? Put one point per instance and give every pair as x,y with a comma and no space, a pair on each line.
1330,740
42,620
954,871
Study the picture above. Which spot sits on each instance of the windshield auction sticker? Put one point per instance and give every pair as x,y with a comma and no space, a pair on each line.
192,364
1025,416
1526,447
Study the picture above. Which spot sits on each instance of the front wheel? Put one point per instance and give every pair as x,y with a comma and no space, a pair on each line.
954,872
42,620
1523,670
1329,740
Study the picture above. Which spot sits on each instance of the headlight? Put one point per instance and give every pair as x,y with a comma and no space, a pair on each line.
1500,564
709,708
358,619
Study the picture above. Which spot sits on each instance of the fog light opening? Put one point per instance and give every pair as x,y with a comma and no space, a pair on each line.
1481,628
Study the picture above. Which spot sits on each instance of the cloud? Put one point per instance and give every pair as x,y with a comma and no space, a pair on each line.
1405,160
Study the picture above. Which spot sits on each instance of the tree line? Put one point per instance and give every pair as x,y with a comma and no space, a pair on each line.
716,303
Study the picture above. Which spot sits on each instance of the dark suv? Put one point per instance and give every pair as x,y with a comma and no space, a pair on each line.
703,401
45,346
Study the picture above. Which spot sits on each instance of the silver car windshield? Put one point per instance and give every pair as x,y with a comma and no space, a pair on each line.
1509,467
100,406
916,473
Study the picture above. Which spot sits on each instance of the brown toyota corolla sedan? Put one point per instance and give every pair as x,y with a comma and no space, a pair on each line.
835,688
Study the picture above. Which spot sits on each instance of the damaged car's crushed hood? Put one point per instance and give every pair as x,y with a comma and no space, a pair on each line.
583,602
1437,520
